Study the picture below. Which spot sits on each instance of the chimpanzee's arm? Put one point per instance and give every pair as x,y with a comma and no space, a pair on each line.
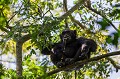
48,50
87,46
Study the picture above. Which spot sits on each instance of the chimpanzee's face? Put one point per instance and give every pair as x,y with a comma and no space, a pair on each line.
68,36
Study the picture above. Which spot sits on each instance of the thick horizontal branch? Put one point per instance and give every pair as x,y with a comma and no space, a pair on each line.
79,63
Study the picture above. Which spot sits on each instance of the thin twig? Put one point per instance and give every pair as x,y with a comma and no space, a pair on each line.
15,14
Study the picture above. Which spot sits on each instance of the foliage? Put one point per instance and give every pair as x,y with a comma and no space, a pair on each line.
41,20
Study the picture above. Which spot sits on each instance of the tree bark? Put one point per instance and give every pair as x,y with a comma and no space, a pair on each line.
19,59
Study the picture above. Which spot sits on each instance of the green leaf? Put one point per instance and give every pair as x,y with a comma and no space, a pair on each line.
29,47
103,24
33,52
115,40
91,27
108,39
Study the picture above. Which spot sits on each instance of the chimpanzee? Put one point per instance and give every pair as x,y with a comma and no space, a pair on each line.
70,49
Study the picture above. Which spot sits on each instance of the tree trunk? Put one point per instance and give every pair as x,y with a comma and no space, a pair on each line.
19,44
19,59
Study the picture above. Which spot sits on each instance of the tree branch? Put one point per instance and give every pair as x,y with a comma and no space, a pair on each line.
99,13
65,5
71,17
113,63
77,22
25,38
65,10
15,14
80,2
65,15
79,63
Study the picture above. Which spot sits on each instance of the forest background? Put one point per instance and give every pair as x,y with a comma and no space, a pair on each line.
27,26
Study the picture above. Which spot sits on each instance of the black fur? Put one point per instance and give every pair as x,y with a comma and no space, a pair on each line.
70,49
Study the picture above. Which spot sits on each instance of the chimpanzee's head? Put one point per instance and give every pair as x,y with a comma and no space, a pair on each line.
68,36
